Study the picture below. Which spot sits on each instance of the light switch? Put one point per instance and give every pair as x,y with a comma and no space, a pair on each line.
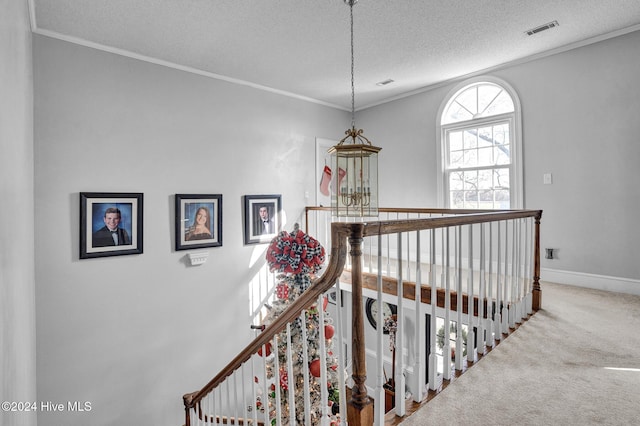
547,178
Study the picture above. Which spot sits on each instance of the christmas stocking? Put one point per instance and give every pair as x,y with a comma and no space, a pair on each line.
341,174
324,181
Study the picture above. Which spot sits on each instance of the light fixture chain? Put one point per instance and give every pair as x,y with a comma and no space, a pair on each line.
353,90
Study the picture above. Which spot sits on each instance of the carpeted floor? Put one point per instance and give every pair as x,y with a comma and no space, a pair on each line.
575,362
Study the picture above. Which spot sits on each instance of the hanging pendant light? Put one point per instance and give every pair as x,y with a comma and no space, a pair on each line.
355,160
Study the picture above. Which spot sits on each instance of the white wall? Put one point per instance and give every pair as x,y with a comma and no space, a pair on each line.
17,304
132,334
580,123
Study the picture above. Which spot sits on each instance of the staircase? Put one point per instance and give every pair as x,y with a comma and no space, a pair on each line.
473,273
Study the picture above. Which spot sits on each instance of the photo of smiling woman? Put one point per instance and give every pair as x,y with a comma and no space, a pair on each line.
201,227
198,221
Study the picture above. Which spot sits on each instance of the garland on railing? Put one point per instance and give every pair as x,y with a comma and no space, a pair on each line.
296,257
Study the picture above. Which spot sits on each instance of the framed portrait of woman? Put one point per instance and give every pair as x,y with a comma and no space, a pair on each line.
198,221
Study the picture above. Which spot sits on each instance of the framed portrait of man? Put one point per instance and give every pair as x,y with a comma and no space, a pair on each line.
262,215
198,221
110,224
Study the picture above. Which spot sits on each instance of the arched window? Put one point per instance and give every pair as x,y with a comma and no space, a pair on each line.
481,166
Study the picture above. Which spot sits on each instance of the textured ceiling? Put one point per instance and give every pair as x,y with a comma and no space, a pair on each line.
302,47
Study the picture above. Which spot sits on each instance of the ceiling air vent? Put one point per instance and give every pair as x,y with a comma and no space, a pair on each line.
541,28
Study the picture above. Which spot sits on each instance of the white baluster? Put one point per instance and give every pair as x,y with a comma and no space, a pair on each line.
497,322
379,397
433,361
211,415
236,412
459,305
481,293
265,393
254,396
290,377
514,278
470,301
342,368
446,350
505,306
324,394
520,311
399,380
305,371
243,393
419,347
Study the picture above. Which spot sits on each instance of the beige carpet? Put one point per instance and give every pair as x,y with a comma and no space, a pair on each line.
575,362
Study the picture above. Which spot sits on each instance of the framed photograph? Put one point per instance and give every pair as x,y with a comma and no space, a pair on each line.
110,224
198,221
261,218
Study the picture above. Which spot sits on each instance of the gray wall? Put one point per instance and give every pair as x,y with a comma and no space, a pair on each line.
17,312
580,123
132,334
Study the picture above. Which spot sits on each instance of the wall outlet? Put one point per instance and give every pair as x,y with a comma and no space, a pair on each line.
547,179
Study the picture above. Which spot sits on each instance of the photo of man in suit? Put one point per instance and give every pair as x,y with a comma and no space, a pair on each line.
111,234
264,223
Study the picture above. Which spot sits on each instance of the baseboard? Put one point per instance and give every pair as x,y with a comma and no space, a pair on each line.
598,282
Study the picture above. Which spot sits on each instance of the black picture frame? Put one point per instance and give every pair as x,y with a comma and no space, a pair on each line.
188,208
125,209
254,233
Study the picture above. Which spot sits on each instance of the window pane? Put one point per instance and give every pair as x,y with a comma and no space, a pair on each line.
471,158
456,181
502,155
501,178
485,157
469,100
470,138
485,136
502,104
485,179
471,200
456,159
456,113
501,134
487,95
470,180
476,101
455,141
456,200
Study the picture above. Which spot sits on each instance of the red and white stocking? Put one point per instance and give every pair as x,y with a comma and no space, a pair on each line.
341,174
325,180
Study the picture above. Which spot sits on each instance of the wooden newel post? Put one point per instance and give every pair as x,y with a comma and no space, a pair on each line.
536,292
360,406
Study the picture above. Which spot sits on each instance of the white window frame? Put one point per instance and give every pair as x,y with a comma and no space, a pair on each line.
516,181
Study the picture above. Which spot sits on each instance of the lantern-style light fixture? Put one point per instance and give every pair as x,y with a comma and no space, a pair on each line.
355,160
